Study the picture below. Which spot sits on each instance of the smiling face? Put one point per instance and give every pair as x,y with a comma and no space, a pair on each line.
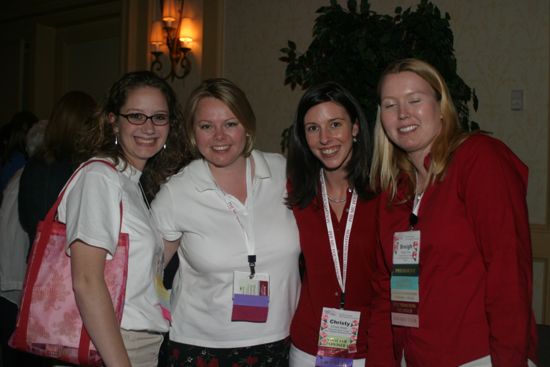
410,113
141,142
329,134
219,135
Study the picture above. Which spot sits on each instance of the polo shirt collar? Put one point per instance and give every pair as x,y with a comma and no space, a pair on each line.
202,176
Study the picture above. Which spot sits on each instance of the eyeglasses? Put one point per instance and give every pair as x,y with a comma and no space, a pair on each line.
140,118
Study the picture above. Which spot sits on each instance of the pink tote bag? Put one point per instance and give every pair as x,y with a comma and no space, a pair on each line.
49,322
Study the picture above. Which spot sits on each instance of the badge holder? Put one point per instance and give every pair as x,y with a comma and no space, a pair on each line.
405,294
338,335
250,295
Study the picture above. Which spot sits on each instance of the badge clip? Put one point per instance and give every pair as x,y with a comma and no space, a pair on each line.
252,265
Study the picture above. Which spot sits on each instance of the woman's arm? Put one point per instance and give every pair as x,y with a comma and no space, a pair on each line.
380,351
494,189
94,302
170,248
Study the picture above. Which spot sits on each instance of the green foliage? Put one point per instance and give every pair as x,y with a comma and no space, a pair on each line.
353,46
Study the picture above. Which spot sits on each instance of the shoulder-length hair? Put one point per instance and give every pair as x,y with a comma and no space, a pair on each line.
233,97
100,139
303,168
389,161
68,120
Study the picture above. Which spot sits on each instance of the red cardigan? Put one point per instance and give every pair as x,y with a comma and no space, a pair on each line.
319,286
475,265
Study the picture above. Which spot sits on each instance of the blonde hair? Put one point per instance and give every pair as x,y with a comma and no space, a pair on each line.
390,161
233,97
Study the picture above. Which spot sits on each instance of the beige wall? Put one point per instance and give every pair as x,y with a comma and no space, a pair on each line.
66,47
500,45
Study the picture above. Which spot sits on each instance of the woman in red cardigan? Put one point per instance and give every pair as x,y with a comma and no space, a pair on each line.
454,275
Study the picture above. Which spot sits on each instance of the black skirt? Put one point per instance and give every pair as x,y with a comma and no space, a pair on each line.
184,355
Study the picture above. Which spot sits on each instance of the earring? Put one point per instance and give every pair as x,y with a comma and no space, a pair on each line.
354,139
116,140
164,146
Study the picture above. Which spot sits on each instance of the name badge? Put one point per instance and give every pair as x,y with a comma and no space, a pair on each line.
250,297
405,294
406,247
338,335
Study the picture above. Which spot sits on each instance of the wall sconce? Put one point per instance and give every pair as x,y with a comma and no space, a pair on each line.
175,31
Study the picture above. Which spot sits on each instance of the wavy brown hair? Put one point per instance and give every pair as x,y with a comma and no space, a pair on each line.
100,139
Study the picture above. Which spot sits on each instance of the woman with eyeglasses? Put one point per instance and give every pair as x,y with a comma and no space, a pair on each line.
137,129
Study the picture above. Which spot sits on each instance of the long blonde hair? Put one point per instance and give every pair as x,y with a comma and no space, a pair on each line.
390,161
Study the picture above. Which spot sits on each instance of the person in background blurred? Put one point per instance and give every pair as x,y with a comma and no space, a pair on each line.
14,155
46,172
14,244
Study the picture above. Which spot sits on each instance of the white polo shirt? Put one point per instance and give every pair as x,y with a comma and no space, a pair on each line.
91,211
191,206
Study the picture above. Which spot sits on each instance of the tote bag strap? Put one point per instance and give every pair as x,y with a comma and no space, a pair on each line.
53,210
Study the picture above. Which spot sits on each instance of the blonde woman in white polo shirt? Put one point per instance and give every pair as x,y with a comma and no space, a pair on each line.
237,284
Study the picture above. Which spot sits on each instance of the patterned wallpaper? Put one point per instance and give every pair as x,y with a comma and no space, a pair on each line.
501,45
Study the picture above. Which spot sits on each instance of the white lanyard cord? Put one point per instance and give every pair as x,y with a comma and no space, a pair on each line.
416,203
249,240
341,275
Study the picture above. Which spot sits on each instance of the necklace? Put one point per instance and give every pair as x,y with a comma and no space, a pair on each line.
337,201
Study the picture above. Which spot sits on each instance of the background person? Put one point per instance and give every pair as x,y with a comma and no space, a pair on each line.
13,155
225,215
459,200
45,173
14,245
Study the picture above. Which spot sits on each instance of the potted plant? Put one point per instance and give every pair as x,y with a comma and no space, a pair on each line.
353,46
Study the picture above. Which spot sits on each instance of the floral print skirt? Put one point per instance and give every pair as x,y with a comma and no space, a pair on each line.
264,355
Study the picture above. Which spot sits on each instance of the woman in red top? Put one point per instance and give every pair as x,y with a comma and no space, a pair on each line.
453,219
328,169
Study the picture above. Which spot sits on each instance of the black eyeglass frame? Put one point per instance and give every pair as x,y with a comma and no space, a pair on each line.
165,122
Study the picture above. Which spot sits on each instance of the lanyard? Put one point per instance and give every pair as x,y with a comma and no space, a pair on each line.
249,239
413,218
341,275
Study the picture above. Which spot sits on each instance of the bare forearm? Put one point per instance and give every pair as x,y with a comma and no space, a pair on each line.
94,303
97,312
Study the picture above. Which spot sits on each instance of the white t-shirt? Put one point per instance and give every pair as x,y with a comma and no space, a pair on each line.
213,246
91,211
14,243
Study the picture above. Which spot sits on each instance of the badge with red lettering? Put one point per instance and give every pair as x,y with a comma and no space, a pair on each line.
406,247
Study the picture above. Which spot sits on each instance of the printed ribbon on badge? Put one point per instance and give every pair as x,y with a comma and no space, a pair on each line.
405,294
